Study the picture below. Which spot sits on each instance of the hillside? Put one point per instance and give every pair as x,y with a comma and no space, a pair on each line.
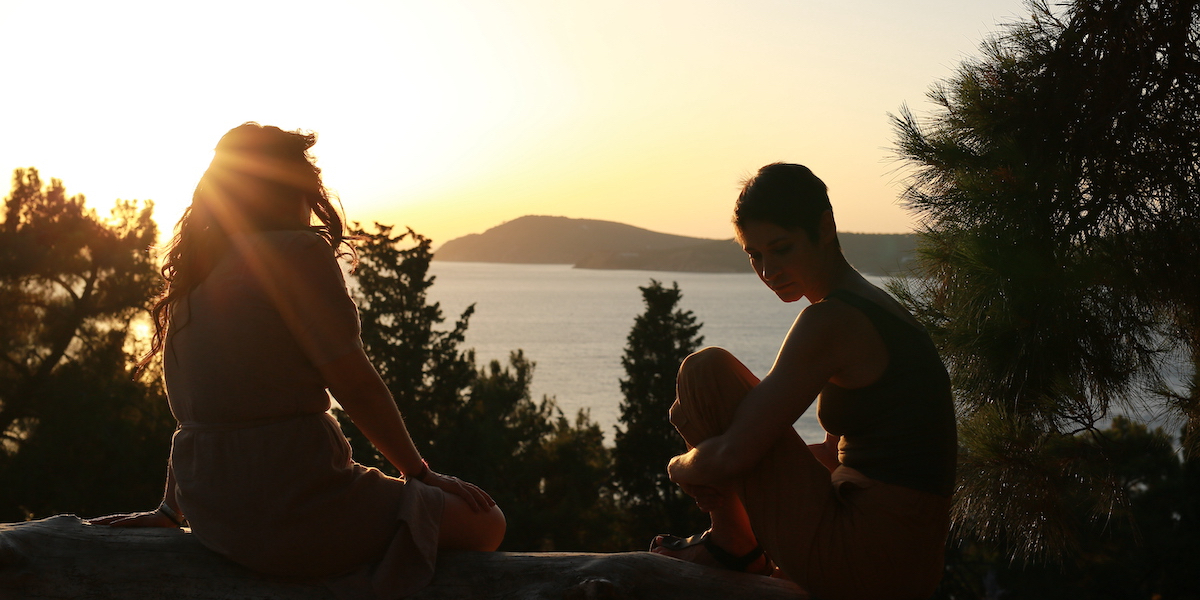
555,240
593,244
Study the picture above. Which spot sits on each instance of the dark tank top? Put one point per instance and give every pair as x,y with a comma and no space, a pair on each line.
900,429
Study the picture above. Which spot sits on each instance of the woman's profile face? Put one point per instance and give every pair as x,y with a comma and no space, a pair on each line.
784,259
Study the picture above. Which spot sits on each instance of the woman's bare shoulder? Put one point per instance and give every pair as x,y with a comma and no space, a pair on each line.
883,300
843,339
827,326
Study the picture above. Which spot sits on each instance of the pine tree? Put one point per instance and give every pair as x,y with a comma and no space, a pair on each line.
657,344
547,474
421,365
1057,186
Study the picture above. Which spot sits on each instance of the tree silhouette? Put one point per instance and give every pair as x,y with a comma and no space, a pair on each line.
77,431
1149,547
422,366
1057,186
657,344
549,475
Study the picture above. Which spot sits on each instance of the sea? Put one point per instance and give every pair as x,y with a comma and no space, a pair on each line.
573,324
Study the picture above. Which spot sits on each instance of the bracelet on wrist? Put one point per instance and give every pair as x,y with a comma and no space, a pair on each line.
170,513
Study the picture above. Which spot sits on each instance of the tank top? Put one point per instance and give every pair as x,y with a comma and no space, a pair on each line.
901,428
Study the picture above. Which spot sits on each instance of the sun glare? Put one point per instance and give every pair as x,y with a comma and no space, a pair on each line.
454,116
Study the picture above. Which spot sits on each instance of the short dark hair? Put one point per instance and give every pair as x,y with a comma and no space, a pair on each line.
786,195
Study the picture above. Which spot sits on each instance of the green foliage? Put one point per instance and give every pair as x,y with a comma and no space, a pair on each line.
580,508
421,365
1018,485
657,344
1057,186
548,475
98,445
78,433
1147,547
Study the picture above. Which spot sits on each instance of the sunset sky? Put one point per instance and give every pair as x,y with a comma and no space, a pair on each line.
453,116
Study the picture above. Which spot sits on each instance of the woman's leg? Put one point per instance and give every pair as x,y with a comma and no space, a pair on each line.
465,529
711,383
781,502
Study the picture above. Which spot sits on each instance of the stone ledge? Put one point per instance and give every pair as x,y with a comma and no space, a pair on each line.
61,558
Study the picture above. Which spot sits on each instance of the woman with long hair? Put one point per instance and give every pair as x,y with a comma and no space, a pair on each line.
256,329
864,513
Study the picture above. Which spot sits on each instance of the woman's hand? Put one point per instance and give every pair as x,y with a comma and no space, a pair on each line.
711,463
152,518
476,498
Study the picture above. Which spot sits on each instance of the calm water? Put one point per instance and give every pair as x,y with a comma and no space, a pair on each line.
573,324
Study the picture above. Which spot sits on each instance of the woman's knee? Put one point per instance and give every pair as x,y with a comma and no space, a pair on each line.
675,414
707,359
711,383
713,369
465,529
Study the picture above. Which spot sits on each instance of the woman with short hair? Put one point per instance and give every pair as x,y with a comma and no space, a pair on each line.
864,513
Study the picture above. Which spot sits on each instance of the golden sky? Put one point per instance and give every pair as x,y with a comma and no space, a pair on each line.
453,116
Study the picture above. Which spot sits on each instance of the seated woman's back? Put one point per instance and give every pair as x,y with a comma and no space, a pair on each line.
233,355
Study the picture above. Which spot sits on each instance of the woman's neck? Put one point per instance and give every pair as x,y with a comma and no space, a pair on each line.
838,275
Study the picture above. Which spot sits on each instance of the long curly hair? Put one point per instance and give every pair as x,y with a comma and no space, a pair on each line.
260,179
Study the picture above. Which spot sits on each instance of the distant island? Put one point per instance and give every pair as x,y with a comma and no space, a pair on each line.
593,244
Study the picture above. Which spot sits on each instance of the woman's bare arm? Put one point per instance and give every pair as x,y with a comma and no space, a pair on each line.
356,385
826,338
